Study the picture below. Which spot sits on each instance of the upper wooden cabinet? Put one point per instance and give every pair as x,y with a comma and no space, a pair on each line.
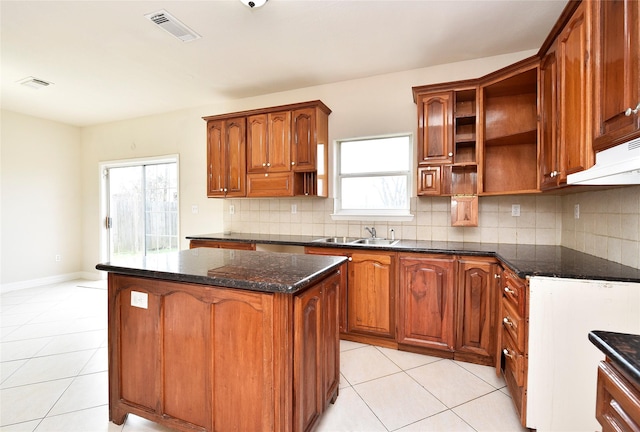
226,158
284,151
269,142
616,64
435,127
566,144
574,94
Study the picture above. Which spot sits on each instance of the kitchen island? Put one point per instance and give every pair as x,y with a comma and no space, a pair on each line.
209,340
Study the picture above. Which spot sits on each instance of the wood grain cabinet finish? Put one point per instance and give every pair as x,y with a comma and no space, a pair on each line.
617,400
549,158
285,152
477,308
616,71
574,94
435,127
221,245
427,301
209,359
368,302
226,157
269,142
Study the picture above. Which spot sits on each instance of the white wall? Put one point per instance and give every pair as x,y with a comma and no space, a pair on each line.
41,201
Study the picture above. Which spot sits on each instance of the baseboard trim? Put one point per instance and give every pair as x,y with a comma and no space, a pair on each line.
32,283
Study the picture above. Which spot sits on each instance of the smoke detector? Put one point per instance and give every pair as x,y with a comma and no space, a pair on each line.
34,83
254,3
173,25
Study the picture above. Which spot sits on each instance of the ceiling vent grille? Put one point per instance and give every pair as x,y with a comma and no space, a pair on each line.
171,24
34,83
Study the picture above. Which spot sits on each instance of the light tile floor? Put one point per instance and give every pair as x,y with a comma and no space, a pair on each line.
53,376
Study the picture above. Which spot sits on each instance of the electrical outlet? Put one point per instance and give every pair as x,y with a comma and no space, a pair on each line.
294,208
139,300
515,210
58,257
194,209
232,209
576,211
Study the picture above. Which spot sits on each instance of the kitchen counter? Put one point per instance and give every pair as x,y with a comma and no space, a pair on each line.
249,270
220,340
622,349
524,260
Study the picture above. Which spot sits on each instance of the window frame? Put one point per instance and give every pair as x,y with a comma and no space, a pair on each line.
401,215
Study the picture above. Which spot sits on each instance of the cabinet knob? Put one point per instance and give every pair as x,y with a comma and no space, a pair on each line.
349,259
507,353
507,321
630,111
497,276
509,290
450,154
268,164
264,164
554,174
293,163
266,175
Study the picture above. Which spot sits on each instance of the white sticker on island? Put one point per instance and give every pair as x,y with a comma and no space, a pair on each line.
139,299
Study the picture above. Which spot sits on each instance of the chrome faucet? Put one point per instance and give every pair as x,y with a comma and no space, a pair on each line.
371,231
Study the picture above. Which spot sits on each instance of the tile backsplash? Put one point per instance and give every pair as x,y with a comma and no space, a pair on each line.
539,221
608,225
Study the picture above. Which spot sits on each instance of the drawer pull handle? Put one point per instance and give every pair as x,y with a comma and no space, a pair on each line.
507,321
497,276
507,353
509,291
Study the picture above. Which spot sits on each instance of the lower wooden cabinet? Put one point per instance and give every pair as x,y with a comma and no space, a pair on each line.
477,308
448,304
257,361
368,304
617,400
221,244
427,301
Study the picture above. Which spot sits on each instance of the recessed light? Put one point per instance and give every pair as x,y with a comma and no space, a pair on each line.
254,3
34,83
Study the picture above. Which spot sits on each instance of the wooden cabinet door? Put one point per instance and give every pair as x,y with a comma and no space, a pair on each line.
257,138
427,299
216,171
429,180
370,294
279,146
549,122
574,87
226,157
331,337
308,358
616,71
476,328
435,128
304,139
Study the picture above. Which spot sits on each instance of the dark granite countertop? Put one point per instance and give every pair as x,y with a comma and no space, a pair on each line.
250,270
524,260
622,349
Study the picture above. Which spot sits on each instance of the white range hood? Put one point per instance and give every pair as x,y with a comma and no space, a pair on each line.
619,165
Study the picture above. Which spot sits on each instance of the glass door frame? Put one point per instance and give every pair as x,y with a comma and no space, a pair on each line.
104,193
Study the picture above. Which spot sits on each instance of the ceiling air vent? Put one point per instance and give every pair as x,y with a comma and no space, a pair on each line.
34,83
171,24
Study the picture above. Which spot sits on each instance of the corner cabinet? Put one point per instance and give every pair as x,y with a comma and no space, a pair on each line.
368,303
226,158
284,152
616,64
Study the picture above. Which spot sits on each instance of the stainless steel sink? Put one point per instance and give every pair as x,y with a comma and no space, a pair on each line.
376,242
337,240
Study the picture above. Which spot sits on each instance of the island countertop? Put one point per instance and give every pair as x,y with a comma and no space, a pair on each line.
524,260
622,349
249,270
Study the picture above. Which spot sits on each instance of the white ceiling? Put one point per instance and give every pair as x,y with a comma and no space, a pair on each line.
108,62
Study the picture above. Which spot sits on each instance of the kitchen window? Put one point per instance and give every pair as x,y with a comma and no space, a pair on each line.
374,178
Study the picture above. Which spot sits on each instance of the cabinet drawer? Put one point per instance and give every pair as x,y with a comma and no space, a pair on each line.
513,291
513,359
618,401
512,323
270,185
